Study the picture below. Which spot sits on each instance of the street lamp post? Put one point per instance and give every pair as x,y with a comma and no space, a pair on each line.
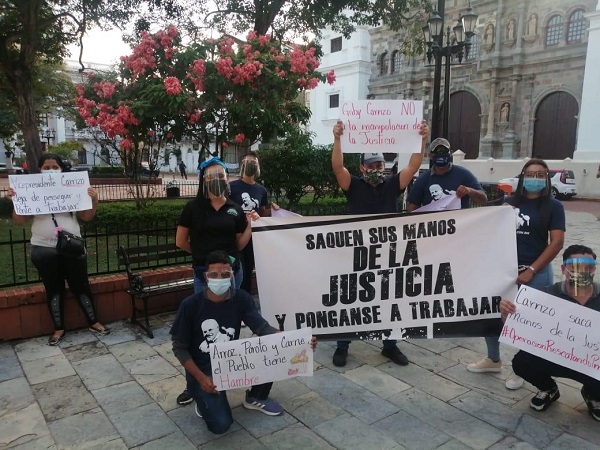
48,134
458,46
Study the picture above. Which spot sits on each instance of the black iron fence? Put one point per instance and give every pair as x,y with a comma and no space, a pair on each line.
101,244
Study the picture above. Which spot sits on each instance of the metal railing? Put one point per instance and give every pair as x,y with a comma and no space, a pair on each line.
101,244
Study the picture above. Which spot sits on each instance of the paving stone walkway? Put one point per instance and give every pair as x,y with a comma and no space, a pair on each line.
119,391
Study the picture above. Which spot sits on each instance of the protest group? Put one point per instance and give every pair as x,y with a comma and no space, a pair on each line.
444,268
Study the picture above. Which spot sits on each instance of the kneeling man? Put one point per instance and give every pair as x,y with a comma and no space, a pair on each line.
213,316
578,268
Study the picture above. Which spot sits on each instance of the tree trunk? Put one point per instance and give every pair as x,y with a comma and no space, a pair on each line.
28,119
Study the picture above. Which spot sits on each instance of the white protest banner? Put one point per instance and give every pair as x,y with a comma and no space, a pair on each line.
447,202
258,360
554,329
283,213
387,275
47,193
387,126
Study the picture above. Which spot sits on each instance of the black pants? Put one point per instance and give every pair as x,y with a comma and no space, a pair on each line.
54,269
539,372
248,264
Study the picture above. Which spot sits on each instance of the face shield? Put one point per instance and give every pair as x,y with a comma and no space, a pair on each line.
579,272
250,167
215,182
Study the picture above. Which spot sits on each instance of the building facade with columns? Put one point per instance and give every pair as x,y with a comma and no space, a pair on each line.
518,93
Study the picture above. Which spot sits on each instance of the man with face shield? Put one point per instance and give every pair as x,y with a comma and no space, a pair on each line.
446,175
210,222
252,197
373,193
578,269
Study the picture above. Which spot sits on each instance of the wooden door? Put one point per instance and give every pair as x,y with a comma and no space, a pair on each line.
464,125
555,129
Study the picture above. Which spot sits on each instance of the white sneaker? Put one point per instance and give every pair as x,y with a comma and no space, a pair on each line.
485,365
514,382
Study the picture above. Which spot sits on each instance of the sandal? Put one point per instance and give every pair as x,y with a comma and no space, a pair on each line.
55,340
101,330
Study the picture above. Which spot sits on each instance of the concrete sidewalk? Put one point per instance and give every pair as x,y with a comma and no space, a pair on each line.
119,391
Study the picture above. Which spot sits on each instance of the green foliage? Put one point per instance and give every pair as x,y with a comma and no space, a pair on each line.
114,214
66,150
301,17
295,170
108,170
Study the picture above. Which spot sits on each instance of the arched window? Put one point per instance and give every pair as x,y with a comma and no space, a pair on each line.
384,62
474,49
396,61
576,29
555,28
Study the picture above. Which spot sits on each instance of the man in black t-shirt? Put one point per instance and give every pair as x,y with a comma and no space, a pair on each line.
251,196
373,194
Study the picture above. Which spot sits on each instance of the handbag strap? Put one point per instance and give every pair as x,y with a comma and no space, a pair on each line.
54,220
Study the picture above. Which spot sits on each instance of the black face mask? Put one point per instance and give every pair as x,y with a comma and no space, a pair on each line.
216,187
250,168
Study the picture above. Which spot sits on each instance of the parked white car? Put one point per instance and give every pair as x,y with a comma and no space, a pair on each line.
562,182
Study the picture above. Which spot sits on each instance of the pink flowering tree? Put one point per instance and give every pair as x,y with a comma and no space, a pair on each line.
214,92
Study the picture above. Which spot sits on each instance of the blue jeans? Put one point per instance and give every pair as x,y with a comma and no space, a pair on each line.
215,408
200,281
543,278
388,343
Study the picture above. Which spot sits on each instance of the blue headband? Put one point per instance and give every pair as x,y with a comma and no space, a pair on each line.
590,261
211,161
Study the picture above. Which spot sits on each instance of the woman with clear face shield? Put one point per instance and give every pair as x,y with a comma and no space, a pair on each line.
211,221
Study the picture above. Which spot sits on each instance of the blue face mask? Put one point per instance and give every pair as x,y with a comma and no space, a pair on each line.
441,160
534,185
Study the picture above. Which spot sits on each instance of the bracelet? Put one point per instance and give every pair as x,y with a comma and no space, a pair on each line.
532,268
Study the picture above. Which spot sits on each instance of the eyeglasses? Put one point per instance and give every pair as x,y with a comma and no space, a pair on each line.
541,174
224,275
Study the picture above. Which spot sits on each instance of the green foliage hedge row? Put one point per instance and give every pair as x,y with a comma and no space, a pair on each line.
113,214
108,170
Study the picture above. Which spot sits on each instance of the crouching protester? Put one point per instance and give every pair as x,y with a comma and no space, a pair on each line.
209,317
578,268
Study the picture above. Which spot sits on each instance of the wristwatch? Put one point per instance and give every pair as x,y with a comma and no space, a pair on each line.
532,268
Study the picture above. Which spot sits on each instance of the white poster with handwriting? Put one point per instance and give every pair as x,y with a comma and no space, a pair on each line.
258,360
386,126
47,193
555,329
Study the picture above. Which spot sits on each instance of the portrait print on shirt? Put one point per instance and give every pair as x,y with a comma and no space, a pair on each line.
437,193
248,203
522,222
213,333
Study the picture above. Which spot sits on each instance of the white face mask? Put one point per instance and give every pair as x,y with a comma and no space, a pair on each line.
219,285
50,171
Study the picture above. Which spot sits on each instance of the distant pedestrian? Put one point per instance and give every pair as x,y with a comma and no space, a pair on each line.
598,174
182,168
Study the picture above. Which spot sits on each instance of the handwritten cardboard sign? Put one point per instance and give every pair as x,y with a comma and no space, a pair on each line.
387,126
47,193
246,362
552,328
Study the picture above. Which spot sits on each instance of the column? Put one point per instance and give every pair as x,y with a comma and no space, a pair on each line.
486,141
509,146
588,147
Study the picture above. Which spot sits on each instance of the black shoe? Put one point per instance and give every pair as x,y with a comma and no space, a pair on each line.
395,355
593,405
339,357
184,398
543,399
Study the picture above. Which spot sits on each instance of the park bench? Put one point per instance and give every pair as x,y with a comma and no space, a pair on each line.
152,256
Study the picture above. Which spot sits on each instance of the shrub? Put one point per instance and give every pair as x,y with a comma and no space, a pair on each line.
108,170
114,214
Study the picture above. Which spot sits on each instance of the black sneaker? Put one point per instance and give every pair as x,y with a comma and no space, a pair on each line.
184,398
395,355
543,399
593,405
339,357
